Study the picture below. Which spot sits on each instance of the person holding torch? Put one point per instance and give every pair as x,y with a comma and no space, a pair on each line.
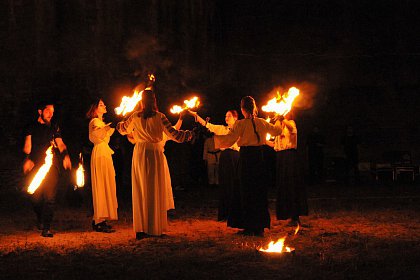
104,193
249,133
228,166
150,176
291,199
40,136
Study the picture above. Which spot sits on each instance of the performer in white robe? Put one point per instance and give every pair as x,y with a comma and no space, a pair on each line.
151,181
104,194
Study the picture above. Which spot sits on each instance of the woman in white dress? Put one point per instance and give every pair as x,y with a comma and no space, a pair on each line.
151,181
102,170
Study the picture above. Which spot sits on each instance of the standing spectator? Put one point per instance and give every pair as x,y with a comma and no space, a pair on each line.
150,176
315,143
39,136
249,133
291,196
104,192
211,158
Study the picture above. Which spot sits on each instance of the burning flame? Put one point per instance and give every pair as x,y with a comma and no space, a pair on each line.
278,246
42,172
128,103
80,176
188,104
282,104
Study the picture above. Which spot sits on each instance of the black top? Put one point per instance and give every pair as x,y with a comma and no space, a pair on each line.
41,136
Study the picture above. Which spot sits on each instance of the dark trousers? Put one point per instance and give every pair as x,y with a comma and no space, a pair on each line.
43,199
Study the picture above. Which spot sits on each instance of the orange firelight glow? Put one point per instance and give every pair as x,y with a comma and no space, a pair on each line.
42,172
128,104
268,135
188,104
282,104
278,246
80,174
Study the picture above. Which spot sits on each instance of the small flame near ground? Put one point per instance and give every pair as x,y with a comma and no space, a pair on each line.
278,247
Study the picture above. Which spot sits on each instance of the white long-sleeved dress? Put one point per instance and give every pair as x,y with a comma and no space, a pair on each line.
104,194
151,181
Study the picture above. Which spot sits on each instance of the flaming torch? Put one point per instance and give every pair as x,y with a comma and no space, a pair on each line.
282,104
128,104
80,174
42,172
188,104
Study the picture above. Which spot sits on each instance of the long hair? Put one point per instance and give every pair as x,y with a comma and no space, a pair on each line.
149,104
249,106
91,113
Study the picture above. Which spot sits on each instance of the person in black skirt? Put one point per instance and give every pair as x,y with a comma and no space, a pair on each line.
250,210
228,164
291,196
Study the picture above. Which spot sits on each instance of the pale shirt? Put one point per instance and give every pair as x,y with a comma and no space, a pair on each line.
287,139
243,133
222,130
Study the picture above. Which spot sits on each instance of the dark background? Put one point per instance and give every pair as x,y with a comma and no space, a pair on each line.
356,62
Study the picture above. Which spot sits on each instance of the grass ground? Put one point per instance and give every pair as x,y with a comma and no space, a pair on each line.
354,232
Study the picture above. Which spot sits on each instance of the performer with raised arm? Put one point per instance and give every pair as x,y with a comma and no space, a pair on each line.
104,191
229,200
149,173
249,133
39,136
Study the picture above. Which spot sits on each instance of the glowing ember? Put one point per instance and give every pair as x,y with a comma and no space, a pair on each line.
282,104
42,172
128,104
276,247
188,104
80,176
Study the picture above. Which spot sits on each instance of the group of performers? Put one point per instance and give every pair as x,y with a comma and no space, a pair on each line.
243,203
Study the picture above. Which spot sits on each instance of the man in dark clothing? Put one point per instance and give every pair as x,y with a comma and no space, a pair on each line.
39,136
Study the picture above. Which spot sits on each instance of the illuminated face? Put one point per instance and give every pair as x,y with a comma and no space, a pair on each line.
46,114
101,107
229,119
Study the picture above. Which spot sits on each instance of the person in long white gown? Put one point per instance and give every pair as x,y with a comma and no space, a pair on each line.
104,194
151,181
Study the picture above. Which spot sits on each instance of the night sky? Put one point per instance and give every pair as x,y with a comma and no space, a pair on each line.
356,62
